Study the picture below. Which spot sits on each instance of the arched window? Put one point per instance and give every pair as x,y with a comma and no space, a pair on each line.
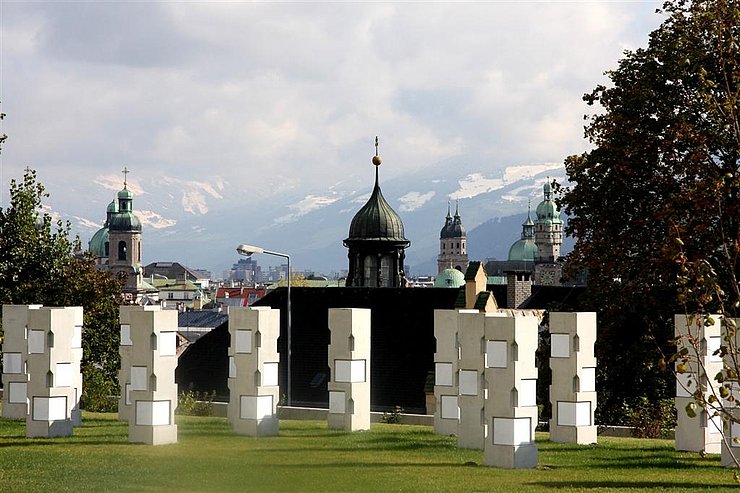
106,248
121,250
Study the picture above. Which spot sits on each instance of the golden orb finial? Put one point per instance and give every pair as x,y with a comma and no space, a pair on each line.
377,160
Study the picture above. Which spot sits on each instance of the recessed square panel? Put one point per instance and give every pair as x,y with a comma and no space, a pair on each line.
232,367
49,408
512,431
735,432
449,408
17,392
63,376
243,341
77,337
126,335
168,343
468,382
714,425
12,363
574,413
139,377
36,341
588,379
127,394
713,344
349,371
270,374
559,346
443,374
496,354
153,413
255,407
685,384
528,392
337,404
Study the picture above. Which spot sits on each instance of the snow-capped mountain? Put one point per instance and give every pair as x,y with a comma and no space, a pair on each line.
199,222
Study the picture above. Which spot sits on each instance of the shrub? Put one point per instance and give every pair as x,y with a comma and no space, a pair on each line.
651,419
191,403
393,417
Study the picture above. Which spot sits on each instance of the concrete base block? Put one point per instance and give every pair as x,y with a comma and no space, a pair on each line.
256,427
511,456
49,429
152,435
582,435
14,411
348,422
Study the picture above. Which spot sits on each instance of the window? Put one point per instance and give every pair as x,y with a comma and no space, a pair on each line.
121,250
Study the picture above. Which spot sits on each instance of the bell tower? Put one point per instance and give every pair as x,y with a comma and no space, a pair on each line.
124,234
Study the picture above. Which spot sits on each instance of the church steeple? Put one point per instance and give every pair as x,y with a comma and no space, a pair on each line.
376,241
453,250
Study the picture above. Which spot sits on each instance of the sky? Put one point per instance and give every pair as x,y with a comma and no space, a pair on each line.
228,105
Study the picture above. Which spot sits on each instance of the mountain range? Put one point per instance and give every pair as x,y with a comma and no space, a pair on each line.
200,222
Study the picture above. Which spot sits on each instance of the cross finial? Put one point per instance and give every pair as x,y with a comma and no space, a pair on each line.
125,176
376,145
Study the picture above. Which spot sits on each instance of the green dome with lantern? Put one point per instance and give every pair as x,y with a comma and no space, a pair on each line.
449,278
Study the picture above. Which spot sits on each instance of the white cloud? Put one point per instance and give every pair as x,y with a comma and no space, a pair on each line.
413,200
115,183
86,223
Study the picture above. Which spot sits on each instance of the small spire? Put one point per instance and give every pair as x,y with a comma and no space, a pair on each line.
125,176
449,216
457,208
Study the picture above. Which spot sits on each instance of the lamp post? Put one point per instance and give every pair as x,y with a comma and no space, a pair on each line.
247,251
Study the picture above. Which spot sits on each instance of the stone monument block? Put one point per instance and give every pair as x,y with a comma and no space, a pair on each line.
253,370
447,412
152,392
511,400
51,365
125,348
349,361
573,388
472,428
702,432
15,354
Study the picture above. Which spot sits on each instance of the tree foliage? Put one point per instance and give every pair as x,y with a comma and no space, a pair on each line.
664,165
41,264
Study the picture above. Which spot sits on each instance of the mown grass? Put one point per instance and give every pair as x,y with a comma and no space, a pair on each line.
308,457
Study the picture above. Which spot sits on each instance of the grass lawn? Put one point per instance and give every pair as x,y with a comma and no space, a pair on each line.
309,457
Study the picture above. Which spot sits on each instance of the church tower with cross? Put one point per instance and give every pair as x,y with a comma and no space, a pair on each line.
124,241
376,242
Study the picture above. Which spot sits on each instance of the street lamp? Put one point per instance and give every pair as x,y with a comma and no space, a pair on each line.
247,251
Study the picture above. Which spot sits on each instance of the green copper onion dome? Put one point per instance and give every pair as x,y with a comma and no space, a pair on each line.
125,219
525,248
449,278
98,244
547,211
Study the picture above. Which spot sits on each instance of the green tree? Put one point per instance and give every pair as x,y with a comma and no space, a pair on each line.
664,164
41,264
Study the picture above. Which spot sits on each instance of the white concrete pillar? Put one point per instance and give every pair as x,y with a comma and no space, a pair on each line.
254,390
349,361
511,401
573,388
